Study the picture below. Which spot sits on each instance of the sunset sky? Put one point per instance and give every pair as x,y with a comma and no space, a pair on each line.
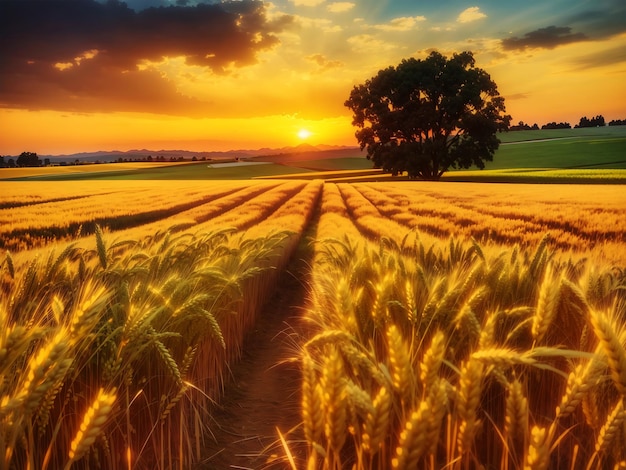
87,75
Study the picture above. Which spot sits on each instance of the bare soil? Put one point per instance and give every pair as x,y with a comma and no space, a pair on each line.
263,395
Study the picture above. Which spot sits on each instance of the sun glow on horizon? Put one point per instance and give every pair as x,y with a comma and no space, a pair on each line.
304,134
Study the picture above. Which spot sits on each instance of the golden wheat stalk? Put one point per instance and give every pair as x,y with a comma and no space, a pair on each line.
612,428
401,368
546,305
579,382
429,367
45,370
438,405
613,349
538,457
413,439
92,425
516,418
376,426
334,400
172,403
468,399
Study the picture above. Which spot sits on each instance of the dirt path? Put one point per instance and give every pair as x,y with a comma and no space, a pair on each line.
264,391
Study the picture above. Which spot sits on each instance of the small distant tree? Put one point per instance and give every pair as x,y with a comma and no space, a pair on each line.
427,116
617,122
11,163
28,159
46,162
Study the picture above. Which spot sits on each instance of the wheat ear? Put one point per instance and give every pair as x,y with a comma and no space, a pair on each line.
438,404
335,423
516,420
376,425
579,382
470,388
612,427
311,406
92,425
538,457
413,439
400,362
613,349
429,367
546,305
45,370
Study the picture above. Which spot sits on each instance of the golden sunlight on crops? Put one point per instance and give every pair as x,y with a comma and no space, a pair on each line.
449,325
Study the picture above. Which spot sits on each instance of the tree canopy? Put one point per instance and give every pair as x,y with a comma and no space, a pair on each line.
597,121
28,159
428,116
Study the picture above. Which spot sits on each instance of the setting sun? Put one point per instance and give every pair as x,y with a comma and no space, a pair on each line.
304,134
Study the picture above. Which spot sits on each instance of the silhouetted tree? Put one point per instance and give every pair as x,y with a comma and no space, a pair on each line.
617,122
46,162
427,116
597,121
522,126
28,159
554,125
11,163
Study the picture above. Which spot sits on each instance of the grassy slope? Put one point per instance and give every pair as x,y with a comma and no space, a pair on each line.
562,153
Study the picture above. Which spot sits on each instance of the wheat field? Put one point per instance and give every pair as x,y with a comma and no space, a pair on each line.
451,325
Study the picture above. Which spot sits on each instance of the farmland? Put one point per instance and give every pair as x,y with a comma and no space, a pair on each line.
595,155
446,323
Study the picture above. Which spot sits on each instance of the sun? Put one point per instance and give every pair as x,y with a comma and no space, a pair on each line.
304,134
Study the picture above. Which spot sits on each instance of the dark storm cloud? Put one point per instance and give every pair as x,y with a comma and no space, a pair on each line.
597,20
37,36
606,18
544,38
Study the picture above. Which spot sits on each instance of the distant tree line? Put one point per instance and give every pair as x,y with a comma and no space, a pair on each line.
30,159
522,126
597,121
557,125
25,159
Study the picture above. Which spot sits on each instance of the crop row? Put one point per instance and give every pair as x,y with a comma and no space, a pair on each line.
577,218
112,355
434,354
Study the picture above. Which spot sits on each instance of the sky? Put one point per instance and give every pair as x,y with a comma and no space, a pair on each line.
88,75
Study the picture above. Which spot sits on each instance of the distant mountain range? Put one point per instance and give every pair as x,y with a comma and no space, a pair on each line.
140,154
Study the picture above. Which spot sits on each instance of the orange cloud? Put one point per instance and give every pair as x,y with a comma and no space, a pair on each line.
87,58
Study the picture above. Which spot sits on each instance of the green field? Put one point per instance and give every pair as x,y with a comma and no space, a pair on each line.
565,148
594,155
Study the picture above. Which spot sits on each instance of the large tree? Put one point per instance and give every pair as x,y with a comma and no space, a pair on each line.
427,116
28,159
